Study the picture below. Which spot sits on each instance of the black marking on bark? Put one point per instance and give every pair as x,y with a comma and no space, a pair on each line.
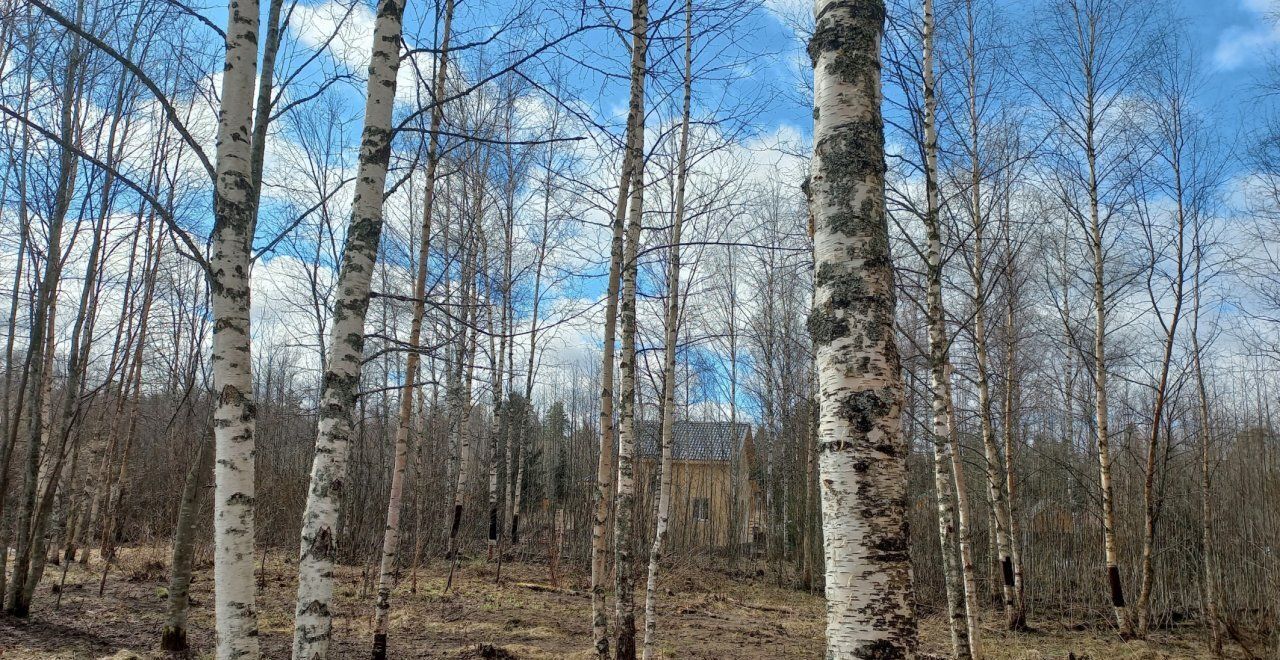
881,649
863,409
493,523
457,519
1007,566
380,646
1117,592
853,152
515,528
858,30
315,608
825,326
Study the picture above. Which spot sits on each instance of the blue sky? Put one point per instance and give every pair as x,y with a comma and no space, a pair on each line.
1233,42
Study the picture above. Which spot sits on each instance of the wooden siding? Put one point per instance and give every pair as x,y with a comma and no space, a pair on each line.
693,481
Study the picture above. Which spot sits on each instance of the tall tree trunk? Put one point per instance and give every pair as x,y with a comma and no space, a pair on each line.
11,408
669,352
604,493
1111,551
624,503
18,599
1175,136
234,415
862,453
116,490
964,535
1206,467
464,369
404,420
946,468
313,617
978,220
1012,407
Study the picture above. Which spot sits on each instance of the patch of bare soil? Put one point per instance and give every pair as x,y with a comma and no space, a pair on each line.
702,614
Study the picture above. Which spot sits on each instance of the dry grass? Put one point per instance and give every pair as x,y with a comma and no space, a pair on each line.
703,614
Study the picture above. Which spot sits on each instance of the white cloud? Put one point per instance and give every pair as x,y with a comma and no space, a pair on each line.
1240,45
345,31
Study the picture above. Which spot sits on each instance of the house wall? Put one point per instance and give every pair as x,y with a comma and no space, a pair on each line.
711,482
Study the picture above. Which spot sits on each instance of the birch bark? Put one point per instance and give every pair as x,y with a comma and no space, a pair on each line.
604,469
862,454
624,501
669,352
235,414
1111,553
948,471
313,617
404,420
978,220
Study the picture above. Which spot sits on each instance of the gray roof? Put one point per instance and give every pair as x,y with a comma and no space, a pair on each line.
693,441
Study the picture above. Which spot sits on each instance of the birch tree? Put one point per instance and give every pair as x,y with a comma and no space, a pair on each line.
862,455
624,501
631,162
1098,50
313,615
977,62
948,475
672,324
404,418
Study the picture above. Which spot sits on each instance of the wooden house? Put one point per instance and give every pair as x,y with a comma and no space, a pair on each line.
713,497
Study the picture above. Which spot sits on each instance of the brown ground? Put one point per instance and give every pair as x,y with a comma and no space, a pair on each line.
703,615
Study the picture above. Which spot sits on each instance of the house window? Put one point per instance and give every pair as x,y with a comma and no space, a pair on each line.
701,509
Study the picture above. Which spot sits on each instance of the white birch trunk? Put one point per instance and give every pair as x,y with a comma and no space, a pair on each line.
313,616
624,502
603,493
404,420
621,275
862,454
235,414
1111,553
669,354
945,467
991,451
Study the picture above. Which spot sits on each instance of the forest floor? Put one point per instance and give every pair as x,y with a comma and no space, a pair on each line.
702,614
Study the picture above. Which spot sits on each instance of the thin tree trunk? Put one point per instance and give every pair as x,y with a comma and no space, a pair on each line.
946,468
18,598
1150,504
963,534
1012,405
1110,547
461,403
624,502
313,617
862,453
174,636
604,469
1206,469
404,421
991,450
669,352
116,491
